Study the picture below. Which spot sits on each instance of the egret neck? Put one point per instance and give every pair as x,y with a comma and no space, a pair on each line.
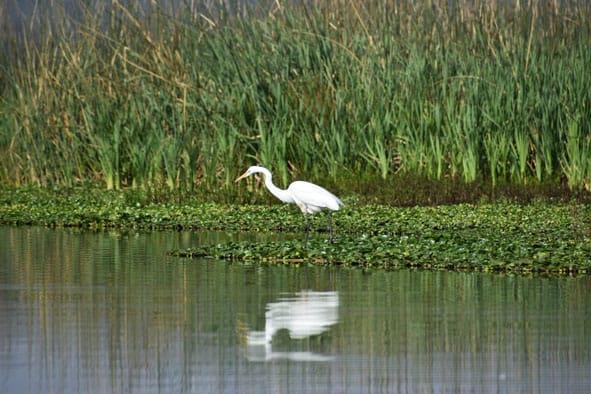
281,194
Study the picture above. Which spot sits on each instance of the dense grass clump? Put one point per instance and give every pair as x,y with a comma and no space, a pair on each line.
186,98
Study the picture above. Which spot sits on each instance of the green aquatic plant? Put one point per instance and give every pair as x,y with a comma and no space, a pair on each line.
184,100
508,237
471,250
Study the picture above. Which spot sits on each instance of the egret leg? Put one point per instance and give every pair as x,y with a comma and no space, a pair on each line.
307,228
330,226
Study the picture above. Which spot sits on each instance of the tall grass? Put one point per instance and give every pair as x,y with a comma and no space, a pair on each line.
186,98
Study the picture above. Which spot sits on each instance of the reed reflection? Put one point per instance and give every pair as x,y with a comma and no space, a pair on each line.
307,314
99,312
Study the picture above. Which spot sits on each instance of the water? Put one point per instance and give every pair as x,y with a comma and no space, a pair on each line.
107,312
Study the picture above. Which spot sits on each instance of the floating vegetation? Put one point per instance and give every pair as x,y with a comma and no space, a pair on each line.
488,251
504,237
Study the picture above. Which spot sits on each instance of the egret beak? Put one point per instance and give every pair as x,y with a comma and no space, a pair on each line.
241,176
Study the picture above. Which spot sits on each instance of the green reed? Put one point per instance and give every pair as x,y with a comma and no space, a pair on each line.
475,91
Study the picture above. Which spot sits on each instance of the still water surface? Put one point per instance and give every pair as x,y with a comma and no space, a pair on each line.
106,312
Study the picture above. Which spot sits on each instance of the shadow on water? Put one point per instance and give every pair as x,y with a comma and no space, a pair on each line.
102,312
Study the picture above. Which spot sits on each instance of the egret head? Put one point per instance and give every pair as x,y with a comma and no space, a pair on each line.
251,170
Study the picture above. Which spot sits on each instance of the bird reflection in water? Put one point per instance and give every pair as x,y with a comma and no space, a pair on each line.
307,314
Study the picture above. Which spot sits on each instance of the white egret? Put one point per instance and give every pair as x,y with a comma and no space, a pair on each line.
310,198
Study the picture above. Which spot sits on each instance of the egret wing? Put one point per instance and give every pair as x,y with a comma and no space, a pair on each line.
311,194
